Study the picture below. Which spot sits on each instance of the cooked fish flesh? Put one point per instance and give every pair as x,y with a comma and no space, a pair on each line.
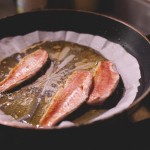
69,98
24,70
105,81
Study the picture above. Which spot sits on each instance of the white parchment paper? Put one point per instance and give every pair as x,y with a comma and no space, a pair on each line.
126,64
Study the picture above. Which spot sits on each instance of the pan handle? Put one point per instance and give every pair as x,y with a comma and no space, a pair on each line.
148,37
141,112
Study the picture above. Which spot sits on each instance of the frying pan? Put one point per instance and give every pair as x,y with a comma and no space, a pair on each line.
82,22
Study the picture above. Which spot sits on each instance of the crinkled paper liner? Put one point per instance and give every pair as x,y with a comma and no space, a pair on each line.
125,63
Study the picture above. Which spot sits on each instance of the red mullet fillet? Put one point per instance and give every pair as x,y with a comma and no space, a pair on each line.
105,81
68,98
24,70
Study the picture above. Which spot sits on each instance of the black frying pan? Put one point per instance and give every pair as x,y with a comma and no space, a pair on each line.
83,22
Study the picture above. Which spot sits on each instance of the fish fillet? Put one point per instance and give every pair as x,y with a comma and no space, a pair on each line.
24,70
105,81
68,98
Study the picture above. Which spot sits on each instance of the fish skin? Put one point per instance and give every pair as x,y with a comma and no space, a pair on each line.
24,70
68,98
106,79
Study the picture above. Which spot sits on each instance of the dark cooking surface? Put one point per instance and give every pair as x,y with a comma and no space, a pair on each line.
133,138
